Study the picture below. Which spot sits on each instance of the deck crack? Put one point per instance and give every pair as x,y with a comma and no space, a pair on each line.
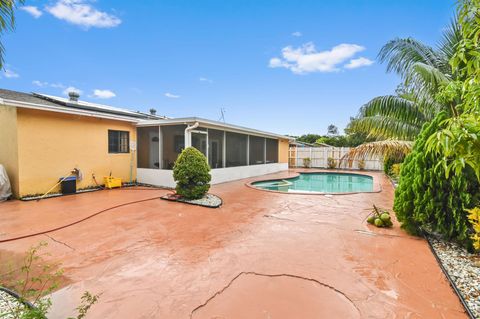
272,276
60,242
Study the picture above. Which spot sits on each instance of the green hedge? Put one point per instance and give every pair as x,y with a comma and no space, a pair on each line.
192,174
425,198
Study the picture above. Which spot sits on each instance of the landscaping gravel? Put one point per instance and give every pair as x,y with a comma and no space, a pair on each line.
7,304
463,268
208,200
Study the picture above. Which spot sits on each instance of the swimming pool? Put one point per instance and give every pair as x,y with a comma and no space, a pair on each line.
320,183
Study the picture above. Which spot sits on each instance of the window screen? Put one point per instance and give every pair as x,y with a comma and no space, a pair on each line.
148,153
257,150
272,151
236,149
215,148
118,141
173,142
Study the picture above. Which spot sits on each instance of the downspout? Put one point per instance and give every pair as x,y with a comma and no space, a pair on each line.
188,134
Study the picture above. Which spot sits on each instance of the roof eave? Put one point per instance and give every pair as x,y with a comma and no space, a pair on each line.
67,110
211,123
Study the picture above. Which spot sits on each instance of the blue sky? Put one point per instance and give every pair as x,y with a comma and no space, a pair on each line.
290,67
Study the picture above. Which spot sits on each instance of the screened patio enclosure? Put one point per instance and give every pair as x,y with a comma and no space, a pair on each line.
159,146
232,152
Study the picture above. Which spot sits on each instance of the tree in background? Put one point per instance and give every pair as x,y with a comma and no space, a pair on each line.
458,142
394,121
7,22
333,137
308,138
332,130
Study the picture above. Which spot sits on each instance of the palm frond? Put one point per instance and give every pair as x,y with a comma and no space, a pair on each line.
427,79
7,21
389,117
395,149
402,54
451,36
380,127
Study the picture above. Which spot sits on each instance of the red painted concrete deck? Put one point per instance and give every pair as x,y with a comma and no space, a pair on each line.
261,255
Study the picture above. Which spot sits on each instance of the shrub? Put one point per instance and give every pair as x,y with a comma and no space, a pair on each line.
474,218
395,170
424,198
361,164
34,281
306,162
331,163
390,163
387,164
192,174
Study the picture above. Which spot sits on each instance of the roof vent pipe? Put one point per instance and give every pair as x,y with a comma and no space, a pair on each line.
73,96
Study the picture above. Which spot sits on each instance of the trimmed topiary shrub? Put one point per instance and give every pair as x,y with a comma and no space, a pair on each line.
425,198
192,174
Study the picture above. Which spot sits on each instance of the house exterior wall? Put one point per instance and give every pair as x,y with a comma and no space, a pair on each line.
8,144
283,146
51,144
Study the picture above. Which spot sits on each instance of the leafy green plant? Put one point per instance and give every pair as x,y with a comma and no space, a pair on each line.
306,162
474,218
192,174
387,164
36,282
88,300
458,142
395,170
331,163
425,198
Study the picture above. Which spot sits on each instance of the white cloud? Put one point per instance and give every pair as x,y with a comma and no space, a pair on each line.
57,85
357,63
297,34
172,96
33,11
202,79
307,59
40,83
72,89
80,12
103,94
10,74
45,84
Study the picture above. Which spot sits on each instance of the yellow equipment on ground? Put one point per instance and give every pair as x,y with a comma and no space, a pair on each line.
112,182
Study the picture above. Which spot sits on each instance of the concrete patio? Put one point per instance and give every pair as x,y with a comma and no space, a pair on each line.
261,255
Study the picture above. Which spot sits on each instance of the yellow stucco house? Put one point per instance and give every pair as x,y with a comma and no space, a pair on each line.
42,138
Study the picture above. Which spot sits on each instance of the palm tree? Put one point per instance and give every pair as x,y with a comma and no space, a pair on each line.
395,120
7,22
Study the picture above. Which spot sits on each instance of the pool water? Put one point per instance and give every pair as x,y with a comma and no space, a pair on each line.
320,183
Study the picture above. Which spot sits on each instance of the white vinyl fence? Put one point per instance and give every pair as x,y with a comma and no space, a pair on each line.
319,158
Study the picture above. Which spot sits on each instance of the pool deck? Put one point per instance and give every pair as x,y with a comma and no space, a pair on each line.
261,255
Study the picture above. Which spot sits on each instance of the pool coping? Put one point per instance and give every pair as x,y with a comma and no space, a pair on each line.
377,187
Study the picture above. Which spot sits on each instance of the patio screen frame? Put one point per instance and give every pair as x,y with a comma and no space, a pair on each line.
204,129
